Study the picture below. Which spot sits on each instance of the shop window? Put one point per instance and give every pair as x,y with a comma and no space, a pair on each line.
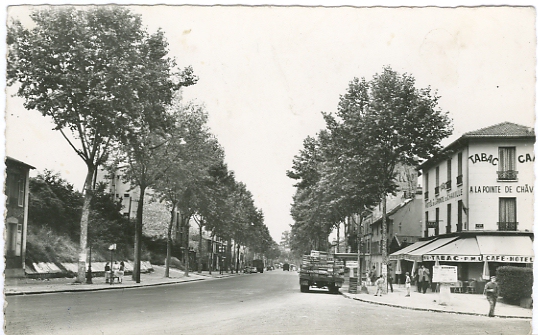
507,164
507,214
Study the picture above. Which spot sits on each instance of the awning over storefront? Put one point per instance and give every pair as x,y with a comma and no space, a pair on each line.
402,252
460,250
416,255
506,249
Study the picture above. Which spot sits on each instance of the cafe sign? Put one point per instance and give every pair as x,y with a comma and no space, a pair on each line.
479,258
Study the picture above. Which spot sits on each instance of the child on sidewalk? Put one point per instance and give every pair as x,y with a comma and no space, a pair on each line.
408,284
380,282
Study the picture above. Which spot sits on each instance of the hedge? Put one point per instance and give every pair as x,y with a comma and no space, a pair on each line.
514,283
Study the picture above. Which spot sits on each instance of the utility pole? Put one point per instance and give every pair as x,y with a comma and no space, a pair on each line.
384,255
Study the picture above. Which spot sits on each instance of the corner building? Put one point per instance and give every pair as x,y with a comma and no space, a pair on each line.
478,207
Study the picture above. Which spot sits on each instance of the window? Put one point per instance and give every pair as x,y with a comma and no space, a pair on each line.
20,185
126,195
459,178
437,221
448,218
507,214
507,163
460,216
426,225
449,174
437,181
426,182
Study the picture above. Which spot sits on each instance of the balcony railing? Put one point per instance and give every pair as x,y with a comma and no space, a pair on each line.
426,195
507,175
507,226
437,191
459,180
448,185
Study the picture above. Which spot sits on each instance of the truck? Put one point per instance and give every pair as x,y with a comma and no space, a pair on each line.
259,264
322,271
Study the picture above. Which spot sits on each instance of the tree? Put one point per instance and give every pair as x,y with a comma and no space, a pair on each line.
381,124
100,77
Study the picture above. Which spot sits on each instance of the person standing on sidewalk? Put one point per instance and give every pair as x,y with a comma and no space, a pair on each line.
408,284
423,278
491,290
380,282
107,272
389,279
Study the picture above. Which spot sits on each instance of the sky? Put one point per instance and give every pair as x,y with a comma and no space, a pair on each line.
267,72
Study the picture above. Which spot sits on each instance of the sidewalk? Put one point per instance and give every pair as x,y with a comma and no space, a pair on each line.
27,286
460,303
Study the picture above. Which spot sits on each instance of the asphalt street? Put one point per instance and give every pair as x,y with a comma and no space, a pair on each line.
268,303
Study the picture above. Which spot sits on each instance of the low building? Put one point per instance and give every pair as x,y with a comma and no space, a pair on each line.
16,191
478,209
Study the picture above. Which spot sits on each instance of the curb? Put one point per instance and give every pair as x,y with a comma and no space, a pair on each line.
93,289
433,310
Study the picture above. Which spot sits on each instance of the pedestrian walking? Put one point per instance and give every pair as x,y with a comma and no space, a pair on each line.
408,284
107,272
491,290
372,275
380,282
423,278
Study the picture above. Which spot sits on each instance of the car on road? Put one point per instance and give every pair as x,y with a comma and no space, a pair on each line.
250,269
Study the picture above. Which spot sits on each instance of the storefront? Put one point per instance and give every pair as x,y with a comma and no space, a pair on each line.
476,256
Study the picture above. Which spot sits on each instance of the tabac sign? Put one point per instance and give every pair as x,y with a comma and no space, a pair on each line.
453,258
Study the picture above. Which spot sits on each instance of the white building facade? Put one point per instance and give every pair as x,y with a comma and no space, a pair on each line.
478,209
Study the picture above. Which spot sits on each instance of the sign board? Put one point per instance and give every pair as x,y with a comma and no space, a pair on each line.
384,270
314,253
445,274
352,264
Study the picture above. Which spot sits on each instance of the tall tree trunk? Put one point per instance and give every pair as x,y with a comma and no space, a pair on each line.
169,241
187,249
384,239
200,248
82,252
211,252
237,258
138,235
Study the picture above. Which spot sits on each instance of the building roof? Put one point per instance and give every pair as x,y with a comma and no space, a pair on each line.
504,130
501,131
13,160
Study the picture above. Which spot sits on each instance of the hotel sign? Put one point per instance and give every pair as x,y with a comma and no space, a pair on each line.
509,259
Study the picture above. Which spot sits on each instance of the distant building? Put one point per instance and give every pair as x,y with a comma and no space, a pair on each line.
17,190
478,209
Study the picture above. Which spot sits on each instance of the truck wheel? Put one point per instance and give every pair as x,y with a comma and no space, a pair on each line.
305,288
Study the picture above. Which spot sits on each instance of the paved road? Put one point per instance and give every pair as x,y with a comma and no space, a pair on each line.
268,303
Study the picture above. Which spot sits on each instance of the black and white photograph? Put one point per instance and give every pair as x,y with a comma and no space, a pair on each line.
269,168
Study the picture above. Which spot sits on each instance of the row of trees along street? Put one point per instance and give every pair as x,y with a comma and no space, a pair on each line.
113,92
349,167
